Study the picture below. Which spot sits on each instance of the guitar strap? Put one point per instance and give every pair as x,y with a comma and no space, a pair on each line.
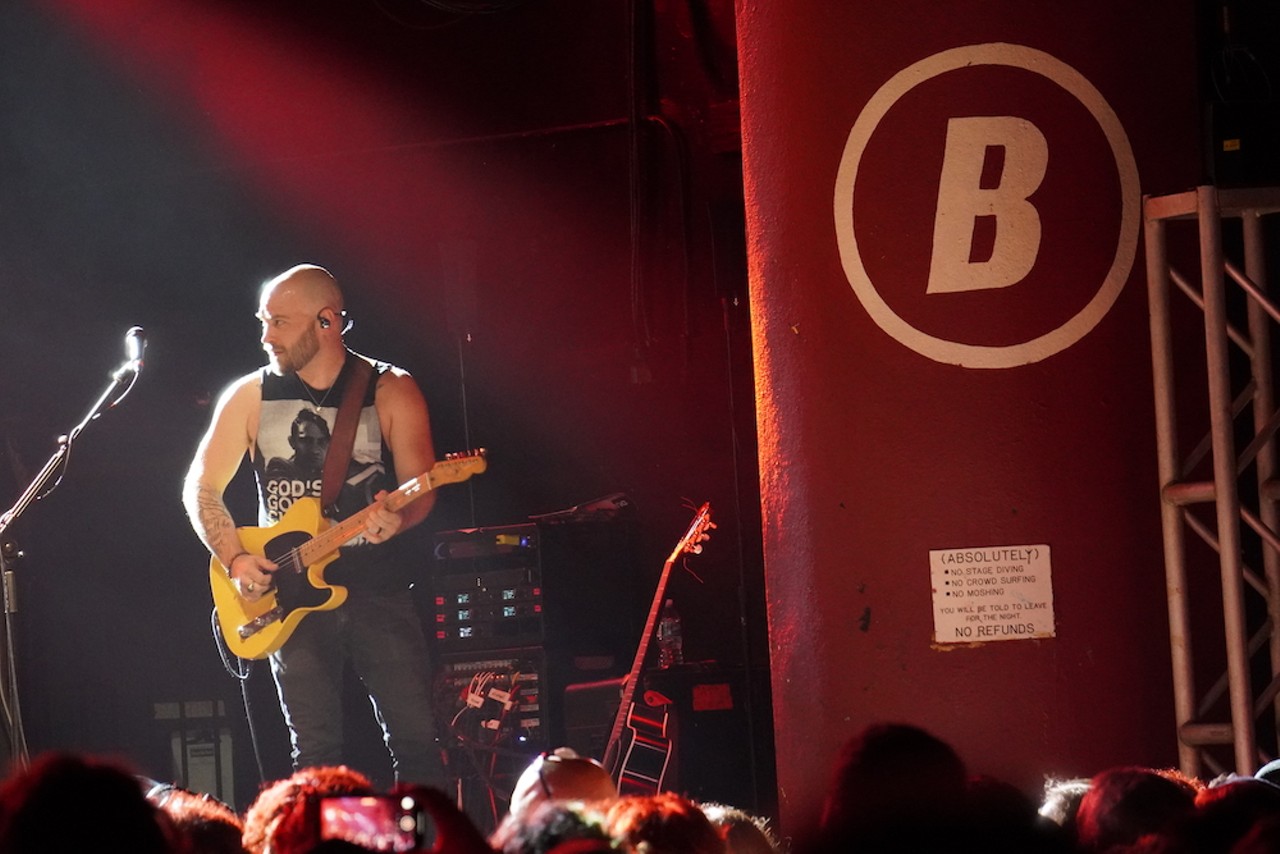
343,438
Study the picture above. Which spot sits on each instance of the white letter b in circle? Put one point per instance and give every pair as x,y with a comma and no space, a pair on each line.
962,200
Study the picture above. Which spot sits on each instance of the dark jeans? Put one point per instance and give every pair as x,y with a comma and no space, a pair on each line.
380,634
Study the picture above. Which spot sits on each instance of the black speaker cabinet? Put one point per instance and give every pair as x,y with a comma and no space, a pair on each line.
1243,138
589,711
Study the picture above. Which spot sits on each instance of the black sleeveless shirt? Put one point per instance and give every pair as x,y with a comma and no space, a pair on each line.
288,462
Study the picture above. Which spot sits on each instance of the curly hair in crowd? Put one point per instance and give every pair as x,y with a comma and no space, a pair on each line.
284,816
1127,803
549,826
742,832
665,823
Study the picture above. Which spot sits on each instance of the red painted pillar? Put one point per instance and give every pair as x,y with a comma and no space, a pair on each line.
956,423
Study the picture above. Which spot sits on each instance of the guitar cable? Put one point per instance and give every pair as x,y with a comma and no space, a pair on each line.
480,730
241,674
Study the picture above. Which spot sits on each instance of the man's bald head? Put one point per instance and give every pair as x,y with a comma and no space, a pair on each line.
313,286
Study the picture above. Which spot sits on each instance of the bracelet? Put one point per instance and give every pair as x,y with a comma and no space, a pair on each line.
232,562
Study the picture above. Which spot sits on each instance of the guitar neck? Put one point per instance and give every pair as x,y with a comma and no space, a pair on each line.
629,689
340,533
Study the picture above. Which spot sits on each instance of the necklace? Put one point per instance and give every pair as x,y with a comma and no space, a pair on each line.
315,403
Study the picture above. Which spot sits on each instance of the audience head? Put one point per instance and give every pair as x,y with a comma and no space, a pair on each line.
741,832
285,816
1227,810
74,804
1060,802
206,825
665,823
1262,838
1062,799
893,777
553,826
1125,804
1000,817
561,775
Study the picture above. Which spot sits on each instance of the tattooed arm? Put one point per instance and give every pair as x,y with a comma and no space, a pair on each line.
218,457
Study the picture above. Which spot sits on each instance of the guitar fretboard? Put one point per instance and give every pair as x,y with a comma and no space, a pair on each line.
453,469
340,533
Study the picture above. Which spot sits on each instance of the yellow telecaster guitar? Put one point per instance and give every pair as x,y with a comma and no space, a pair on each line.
302,544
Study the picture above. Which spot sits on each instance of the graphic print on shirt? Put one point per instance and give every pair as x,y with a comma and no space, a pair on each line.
293,440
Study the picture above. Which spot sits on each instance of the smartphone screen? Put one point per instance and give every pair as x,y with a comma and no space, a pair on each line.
378,822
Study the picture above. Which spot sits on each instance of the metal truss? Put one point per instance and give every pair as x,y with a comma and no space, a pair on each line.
1229,478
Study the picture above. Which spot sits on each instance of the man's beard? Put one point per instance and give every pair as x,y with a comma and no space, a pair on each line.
295,358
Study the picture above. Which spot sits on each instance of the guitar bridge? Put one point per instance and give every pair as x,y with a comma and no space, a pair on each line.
260,622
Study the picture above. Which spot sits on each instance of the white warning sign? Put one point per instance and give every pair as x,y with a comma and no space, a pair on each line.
991,593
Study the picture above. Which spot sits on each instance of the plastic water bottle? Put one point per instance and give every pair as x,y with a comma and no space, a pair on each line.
670,637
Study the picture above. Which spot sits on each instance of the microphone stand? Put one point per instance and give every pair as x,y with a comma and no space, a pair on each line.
15,747
122,381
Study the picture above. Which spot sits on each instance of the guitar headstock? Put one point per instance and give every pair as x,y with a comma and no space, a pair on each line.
699,532
457,467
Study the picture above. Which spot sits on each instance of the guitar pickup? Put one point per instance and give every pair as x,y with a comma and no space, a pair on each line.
260,622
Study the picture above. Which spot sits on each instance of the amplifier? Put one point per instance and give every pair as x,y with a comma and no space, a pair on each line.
1243,137
499,608
569,586
487,588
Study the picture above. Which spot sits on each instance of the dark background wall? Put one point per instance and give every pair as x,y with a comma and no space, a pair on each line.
537,211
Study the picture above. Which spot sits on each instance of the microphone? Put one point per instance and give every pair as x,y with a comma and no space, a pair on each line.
135,345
